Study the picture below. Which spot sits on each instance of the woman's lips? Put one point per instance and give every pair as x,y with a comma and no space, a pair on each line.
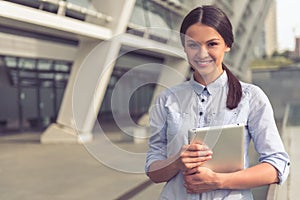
203,62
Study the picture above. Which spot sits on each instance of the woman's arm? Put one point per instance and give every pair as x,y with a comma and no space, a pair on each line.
189,157
258,175
202,179
163,170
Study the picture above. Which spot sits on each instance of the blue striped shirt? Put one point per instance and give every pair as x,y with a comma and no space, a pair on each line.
189,105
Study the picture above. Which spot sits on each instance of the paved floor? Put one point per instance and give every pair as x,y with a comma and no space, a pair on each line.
30,170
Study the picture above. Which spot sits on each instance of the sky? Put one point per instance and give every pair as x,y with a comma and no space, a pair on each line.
288,23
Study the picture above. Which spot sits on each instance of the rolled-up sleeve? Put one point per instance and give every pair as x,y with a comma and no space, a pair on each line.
158,140
265,135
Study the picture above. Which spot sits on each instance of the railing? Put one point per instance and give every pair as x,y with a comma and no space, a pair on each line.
62,7
272,192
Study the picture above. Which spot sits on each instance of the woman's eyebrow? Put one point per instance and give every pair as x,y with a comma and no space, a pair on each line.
210,40
214,39
190,40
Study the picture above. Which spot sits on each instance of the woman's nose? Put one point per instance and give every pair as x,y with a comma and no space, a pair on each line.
202,52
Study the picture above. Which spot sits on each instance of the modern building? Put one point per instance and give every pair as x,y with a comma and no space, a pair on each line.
297,47
62,62
267,43
271,31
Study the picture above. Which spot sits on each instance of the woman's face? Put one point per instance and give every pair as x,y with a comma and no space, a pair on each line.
205,49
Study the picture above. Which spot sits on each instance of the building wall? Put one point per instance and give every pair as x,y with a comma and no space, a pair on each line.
297,47
281,86
271,44
40,30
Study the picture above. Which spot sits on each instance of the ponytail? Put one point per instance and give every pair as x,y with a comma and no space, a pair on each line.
235,89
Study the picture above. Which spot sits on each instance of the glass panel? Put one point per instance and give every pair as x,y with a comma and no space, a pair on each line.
138,16
46,75
10,61
294,115
62,67
188,4
160,20
44,65
27,63
27,74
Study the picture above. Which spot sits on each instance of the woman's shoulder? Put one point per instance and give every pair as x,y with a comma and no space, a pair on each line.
181,88
252,90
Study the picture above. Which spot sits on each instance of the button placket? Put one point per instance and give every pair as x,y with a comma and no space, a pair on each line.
202,107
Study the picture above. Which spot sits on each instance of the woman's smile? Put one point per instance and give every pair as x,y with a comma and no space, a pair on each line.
204,63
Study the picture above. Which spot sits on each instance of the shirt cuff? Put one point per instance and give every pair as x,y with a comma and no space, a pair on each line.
282,167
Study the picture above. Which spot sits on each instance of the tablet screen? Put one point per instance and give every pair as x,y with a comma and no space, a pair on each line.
227,144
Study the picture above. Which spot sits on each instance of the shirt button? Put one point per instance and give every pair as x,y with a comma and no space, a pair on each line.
202,100
201,113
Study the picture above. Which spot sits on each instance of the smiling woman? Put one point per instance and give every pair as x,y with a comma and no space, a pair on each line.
205,52
212,97
219,40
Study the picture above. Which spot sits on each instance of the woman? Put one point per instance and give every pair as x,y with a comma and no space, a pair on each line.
213,96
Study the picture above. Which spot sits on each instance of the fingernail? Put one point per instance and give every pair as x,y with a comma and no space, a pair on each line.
205,147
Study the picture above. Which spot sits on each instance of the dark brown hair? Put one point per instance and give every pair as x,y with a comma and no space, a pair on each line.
214,17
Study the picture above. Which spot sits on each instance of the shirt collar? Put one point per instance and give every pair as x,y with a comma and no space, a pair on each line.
213,87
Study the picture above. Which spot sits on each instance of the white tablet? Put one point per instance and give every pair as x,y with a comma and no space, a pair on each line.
227,144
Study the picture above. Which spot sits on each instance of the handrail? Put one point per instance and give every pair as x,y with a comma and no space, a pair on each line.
63,6
272,192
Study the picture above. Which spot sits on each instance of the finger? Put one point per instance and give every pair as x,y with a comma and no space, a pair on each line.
190,171
196,159
197,141
188,188
188,166
196,153
197,147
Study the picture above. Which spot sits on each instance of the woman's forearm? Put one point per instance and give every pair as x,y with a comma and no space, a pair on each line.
258,175
190,156
163,170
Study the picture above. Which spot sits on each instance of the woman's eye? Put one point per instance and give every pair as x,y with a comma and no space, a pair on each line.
211,44
192,45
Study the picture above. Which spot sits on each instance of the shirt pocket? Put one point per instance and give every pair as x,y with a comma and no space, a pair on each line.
223,117
175,122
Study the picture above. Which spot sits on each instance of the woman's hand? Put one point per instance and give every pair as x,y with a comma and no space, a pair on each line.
193,155
200,179
189,157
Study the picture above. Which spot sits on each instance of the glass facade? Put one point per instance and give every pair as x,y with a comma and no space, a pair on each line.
293,115
155,20
34,90
141,98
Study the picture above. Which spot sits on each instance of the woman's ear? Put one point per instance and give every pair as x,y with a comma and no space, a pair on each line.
227,49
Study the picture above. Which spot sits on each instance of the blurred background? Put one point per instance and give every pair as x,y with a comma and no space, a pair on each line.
57,90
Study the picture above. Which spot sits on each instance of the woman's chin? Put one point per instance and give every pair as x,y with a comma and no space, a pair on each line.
203,71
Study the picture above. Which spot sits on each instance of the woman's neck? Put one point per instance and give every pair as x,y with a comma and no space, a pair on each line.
206,79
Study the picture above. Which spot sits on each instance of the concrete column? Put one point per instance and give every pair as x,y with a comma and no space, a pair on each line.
84,93
119,10
88,80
